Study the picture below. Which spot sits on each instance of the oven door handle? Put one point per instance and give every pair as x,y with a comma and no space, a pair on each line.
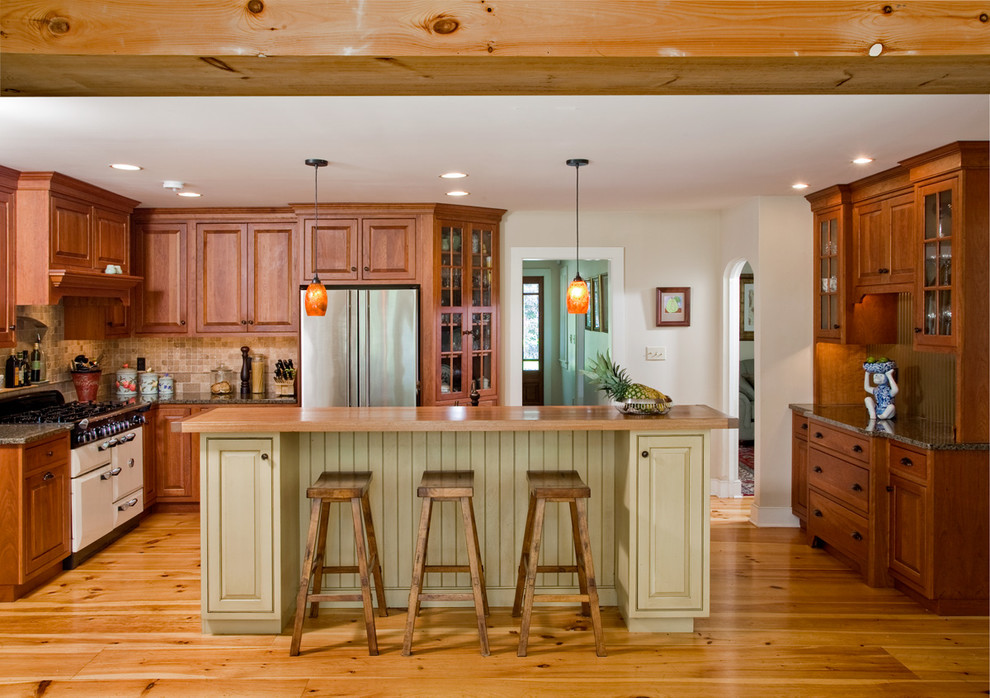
124,438
110,473
128,504
108,444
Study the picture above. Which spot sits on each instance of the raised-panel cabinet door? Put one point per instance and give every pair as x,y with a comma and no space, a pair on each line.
332,251
70,241
903,250
118,319
872,245
240,510
176,462
111,239
149,445
908,534
47,528
8,311
388,248
273,278
161,258
221,292
799,477
672,524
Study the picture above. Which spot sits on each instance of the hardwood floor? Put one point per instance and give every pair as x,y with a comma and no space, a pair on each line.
786,620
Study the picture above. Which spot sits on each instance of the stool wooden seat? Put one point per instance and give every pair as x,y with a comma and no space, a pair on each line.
557,486
456,486
338,488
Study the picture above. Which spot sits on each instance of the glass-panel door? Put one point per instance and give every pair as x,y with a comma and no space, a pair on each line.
827,275
935,326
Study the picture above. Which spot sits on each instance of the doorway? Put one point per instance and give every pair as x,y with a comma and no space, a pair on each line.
534,340
747,380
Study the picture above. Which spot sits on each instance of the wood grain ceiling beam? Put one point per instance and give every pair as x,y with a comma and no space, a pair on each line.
437,47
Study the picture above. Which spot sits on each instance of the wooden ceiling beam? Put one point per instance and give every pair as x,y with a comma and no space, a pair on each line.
339,47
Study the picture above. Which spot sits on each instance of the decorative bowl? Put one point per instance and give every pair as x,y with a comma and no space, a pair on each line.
643,407
879,366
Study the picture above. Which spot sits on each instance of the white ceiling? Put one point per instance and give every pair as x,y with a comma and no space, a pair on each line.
646,152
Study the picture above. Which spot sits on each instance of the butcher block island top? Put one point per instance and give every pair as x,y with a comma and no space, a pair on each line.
418,419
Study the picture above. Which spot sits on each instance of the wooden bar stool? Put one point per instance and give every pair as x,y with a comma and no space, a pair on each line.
557,486
448,486
339,488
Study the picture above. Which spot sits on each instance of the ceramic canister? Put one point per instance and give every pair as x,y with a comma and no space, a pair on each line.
126,382
166,386
148,382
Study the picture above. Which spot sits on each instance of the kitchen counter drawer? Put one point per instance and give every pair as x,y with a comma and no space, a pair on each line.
799,426
838,526
839,441
48,454
908,463
848,483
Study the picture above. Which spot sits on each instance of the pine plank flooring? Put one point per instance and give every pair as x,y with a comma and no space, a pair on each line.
787,620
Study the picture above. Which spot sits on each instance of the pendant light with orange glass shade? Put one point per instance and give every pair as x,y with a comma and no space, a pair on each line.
316,292
577,292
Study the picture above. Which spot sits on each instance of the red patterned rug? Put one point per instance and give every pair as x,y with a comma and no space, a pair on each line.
746,474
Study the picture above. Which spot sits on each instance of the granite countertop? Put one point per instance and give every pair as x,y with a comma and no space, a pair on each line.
204,397
915,431
20,434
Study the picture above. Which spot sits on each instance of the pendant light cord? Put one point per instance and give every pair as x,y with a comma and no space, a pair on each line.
577,220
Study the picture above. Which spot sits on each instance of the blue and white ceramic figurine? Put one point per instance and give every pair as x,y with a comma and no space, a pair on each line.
880,403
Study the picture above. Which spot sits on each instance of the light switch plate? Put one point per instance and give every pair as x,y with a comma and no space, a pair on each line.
656,353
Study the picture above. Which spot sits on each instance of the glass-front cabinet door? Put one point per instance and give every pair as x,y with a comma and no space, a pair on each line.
935,303
467,313
828,277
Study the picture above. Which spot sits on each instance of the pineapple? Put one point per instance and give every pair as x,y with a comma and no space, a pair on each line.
614,381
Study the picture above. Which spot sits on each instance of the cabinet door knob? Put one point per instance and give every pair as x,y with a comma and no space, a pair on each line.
645,454
917,330
367,269
818,468
48,476
857,448
50,454
243,322
12,328
856,535
835,326
805,427
857,487
182,322
907,462
883,270
353,268
264,456
818,513
250,322
889,488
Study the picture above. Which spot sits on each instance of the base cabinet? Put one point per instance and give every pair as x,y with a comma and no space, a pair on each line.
176,457
662,577
799,468
249,532
35,521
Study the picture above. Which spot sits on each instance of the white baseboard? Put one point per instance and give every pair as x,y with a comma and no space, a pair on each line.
726,488
772,517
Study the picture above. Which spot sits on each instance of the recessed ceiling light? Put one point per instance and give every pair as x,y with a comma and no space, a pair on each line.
862,161
457,193
125,166
190,194
799,185
453,175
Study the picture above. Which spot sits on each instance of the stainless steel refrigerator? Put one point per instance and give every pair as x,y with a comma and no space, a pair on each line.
364,351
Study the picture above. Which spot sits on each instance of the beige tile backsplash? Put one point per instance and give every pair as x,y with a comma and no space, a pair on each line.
188,360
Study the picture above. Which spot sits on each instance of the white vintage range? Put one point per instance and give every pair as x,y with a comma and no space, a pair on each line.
107,466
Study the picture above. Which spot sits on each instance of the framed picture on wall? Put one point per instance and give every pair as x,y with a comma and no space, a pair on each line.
747,307
673,306
603,302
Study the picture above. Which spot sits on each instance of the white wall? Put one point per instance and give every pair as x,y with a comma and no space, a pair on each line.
677,248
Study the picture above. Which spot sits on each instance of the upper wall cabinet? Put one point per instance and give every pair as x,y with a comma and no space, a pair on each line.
78,230
883,233
8,310
367,243
161,256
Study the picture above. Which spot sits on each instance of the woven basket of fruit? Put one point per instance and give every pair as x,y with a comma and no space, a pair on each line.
626,396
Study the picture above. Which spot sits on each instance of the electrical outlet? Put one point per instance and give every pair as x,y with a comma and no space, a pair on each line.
656,353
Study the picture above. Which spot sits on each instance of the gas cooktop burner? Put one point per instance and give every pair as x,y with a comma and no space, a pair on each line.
71,412
90,421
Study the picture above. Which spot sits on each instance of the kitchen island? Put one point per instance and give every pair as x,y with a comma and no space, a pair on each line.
649,510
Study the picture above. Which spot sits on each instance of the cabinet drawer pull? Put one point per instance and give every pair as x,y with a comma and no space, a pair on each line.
48,476
856,535
883,270
907,462
646,454
819,435
264,456
818,513
805,427
835,326
50,454
857,487
128,504
857,448
818,468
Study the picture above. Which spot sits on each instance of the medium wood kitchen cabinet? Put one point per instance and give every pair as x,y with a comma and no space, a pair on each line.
799,467
176,457
35,522
84,229
372,243
247,277
8,309
149,442
162,258
883,242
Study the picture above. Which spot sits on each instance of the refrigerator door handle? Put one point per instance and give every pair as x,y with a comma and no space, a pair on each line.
350,343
